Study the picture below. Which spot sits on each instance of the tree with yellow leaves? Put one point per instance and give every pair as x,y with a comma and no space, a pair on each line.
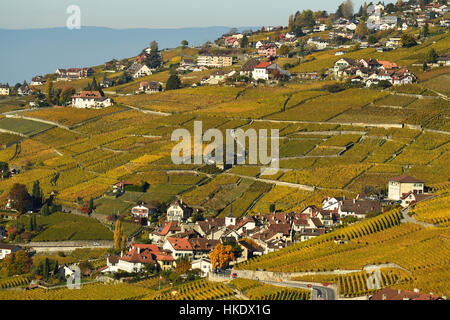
221,256
119,238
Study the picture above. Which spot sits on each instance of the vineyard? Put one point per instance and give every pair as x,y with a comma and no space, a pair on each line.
13,282
257,290
197,290
362,283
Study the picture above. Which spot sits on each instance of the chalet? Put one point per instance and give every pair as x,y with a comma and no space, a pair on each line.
266,70
4,90
90,99
150,87
6,249
398,186
138,70
178,211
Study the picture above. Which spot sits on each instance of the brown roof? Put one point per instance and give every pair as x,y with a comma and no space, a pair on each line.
393,294
250,65
6,246
361,206
405,179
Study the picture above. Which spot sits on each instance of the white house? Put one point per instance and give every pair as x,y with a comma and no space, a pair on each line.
4,90
203,264
6,249
138,70
178,211
90,99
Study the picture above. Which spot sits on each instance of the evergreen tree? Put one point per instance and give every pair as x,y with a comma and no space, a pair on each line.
45,210
91,204
36,194
244,42
173,83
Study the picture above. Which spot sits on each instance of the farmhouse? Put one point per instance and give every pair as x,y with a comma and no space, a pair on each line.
150,87
73,73
399,186
38,80
90,99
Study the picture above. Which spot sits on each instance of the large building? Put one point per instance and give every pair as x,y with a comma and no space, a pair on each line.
90,99
402,185
4,90
214,61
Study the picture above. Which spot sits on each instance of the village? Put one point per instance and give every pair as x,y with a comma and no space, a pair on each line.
258,61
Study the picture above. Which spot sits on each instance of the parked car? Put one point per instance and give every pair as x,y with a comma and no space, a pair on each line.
234,275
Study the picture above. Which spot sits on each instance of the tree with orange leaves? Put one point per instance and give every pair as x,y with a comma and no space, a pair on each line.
221,256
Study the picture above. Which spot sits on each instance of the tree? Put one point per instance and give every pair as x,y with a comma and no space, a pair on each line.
304,19
237,249
184,43
49,91
66,95
432,56
37,195
297,30
362,29
425,30
118,236
272,207
407,40
183,265
173,83
16,263
19,197
291,23
45,210
424,67
4,170
198,216
244,42
153,60
221,256
372,39
154,46
284,50
347,9
91,204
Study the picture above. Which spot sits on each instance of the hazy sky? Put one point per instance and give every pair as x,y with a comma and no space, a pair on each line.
23,14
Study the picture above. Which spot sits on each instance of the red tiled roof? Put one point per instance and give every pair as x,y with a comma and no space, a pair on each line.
263,65
180,243
405,179
88,94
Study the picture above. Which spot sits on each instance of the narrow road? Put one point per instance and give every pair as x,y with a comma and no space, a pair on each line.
276,182
318,292
411,219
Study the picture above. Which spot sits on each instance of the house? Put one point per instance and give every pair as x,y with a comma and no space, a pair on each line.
150,87
397,294
444,60
138,70
178,211
6,249
411,198
38,81
169,229
165,260
318,43
202,264
135,260
398,186
268,50
143,211
24,90
73,73
261,43
264,70
90,99
66,271
359,207
249,250
248,67
343,64
106,83
4,90
214,61
307,234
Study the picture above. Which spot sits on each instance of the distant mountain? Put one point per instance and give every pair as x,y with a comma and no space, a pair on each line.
29,52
